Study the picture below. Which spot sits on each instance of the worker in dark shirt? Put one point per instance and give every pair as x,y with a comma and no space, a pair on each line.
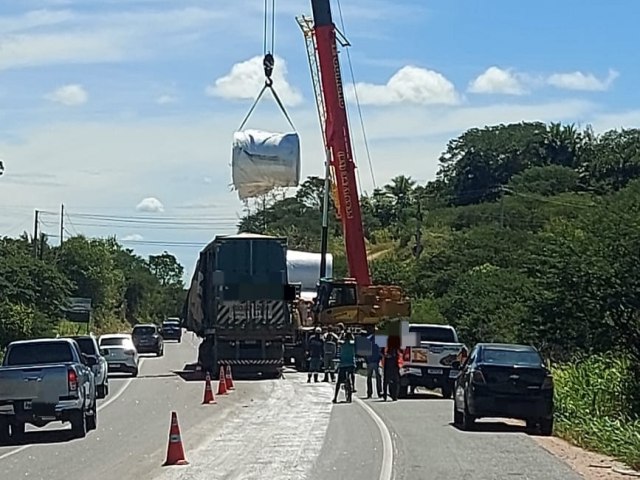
316,354
391,363
373,368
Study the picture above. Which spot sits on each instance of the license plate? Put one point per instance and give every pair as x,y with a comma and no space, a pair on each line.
27,405
434,371
453,373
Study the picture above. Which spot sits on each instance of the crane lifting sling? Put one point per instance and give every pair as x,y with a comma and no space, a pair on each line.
262,160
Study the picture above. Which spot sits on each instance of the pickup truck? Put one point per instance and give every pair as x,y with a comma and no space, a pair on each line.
89,346
430,364
43,381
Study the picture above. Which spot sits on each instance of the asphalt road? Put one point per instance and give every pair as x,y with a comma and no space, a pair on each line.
275,429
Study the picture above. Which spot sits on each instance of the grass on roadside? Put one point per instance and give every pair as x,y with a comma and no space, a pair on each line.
594,407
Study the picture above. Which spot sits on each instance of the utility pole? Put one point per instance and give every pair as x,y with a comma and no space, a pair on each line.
35,234
502,192
324,238
61,223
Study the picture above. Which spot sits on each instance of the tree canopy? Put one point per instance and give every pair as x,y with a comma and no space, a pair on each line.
124,288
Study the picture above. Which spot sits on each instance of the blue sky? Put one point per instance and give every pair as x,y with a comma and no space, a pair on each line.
106,104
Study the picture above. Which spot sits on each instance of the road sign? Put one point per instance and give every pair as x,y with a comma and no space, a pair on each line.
78,310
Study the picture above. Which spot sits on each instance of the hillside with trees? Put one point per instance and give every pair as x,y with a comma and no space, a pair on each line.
124,288
530,233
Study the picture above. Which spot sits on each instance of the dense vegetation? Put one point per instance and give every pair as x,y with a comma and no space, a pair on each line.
124,288
530,233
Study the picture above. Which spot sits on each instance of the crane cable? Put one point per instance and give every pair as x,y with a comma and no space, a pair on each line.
268,63
355,94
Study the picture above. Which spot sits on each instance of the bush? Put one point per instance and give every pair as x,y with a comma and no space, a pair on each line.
594,406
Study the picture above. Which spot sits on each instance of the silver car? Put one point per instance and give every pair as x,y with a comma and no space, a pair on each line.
89,346
120,353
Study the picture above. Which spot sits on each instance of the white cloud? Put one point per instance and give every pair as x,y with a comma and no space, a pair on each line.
166,99
69,95
135,237
99,37
150,204
496,80
408,85
245,79
582,81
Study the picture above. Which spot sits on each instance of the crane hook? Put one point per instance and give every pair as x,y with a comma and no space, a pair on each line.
268,63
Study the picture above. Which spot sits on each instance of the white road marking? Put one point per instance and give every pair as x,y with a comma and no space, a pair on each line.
386,470
100,407
279,438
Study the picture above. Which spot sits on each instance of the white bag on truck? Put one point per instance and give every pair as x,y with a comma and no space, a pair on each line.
262,161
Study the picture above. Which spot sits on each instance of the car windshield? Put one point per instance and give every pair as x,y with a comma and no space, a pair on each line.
434,334
170,325
114,341
511,357
39,353
86,345
144,330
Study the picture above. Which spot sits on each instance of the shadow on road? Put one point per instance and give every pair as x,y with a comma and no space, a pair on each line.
423,396
190,374
493,427
41,437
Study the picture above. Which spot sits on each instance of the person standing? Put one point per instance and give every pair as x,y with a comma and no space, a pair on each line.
316,353
373,368
391,381
330,351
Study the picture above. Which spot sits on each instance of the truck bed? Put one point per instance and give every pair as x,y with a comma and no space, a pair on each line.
44,384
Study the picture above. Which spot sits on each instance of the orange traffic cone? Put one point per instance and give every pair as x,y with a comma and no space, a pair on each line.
208,391
175,452
222,383
229,379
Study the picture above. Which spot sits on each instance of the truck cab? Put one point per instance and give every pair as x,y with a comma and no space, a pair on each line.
429,361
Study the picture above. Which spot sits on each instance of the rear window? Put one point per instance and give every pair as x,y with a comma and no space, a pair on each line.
144,330
39,353
434,334
511,357
113,341
86,345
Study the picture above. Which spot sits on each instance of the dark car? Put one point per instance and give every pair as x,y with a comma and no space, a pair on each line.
171,330
147,339
508,381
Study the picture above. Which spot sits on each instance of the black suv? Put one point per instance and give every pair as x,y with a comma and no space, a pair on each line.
147,339
171,330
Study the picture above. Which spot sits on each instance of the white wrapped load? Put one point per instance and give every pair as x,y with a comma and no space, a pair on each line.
304,267
262,161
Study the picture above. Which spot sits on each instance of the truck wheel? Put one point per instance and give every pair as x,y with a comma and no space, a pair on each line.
17,430
135,372
404,391
101,391
546,426
457,416
447,392
79,424
4,430
92,420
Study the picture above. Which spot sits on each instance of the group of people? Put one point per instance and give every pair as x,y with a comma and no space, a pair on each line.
323,347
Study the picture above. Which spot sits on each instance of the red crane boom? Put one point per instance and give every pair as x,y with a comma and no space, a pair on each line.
338,139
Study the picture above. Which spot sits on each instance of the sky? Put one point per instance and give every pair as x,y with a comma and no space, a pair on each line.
124,110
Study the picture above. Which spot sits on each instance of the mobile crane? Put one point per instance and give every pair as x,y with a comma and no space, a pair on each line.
351,301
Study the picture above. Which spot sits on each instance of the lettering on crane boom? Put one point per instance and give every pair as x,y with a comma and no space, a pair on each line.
337,74
344,181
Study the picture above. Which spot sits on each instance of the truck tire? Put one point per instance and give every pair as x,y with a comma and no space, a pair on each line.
447,391
92,420
102,391
4,430
546,427
17,430
403,391
468,420
79,424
